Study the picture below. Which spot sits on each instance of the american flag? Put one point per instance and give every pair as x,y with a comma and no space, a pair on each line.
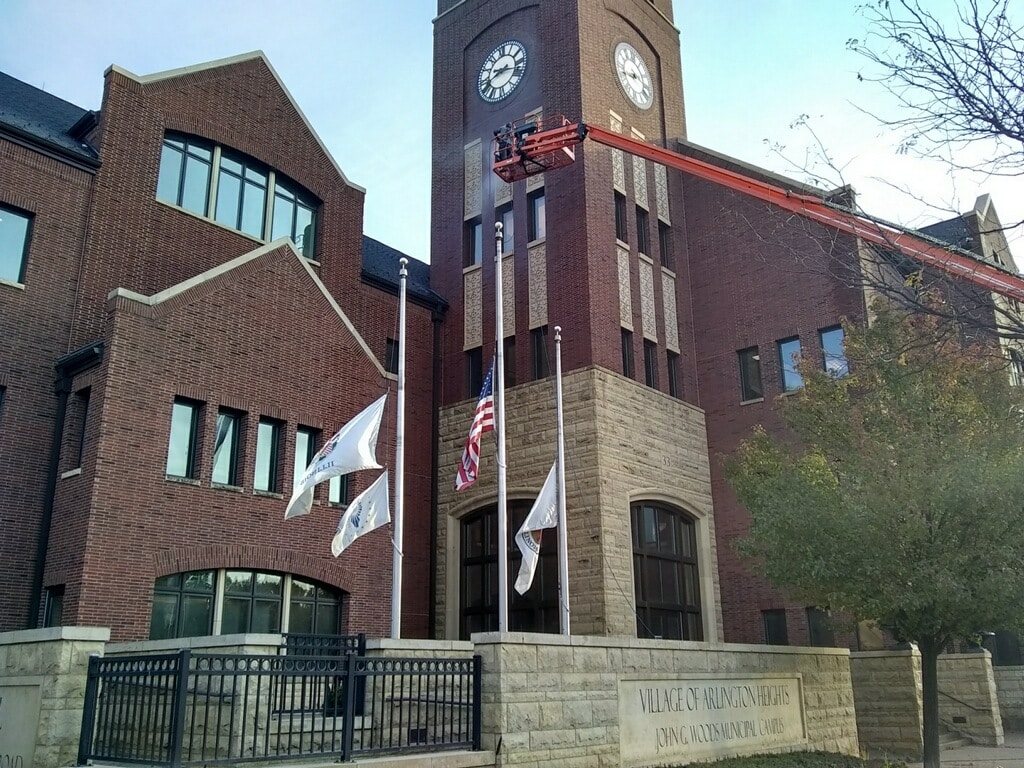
483,421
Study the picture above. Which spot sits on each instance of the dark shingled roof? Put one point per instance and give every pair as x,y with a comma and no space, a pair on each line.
36,114
954,231
380,265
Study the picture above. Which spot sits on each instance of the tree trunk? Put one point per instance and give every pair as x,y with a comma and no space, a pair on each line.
930,694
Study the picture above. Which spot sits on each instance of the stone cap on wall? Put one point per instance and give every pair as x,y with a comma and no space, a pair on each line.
49,634
601,641
199,643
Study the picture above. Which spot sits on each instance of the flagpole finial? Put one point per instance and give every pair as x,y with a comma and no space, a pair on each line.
498,230
401,266
558,333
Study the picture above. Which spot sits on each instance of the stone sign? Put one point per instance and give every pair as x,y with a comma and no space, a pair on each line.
698,717
19,724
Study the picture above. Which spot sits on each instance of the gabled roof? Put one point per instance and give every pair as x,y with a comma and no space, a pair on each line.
380,266
227,62
34,114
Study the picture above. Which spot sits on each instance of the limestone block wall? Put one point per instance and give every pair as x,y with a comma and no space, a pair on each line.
556,700
968,702
1010,693
624,442
887,691
42,690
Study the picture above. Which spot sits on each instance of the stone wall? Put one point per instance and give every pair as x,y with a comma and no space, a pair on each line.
887,691
968,702
1010,692
42,690
549,698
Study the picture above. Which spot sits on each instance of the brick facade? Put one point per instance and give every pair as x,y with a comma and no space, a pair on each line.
182,306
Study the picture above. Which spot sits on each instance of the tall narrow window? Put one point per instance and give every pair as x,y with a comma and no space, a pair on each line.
314,609
295,218
305,450
539,352
750,374
1016,368
666,573
53,610
674,385
537,220
620,218
241,195
833,353
185,169
474,371
473,245
651,363
789,359
507,218
181,447
14,231
775,632
391,356
627,353
225,447
509,359
268,443
665,245
338,491
83,419
643,241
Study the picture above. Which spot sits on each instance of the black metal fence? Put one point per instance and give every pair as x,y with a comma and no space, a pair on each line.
191,708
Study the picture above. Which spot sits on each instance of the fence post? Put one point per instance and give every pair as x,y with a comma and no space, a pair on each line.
477,706
178,713
92,685
348,722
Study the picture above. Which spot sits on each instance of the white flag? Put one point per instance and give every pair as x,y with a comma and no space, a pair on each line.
543,514
368,511
353,448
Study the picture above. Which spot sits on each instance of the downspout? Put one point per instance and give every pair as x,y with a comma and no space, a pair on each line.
68,366
435,429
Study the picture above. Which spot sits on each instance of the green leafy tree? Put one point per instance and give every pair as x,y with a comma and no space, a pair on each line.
897,495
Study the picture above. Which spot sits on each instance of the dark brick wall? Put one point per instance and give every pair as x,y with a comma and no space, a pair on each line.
758,275
34,331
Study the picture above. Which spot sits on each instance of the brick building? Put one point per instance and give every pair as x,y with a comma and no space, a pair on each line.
188,265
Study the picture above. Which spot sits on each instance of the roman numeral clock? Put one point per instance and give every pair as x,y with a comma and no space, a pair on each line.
502,71
634,77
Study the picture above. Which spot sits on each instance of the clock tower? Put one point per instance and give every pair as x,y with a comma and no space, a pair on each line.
591,248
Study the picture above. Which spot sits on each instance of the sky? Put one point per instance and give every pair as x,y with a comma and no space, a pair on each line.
361,73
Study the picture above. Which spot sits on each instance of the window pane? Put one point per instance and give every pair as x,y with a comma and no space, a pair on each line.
537,213
162,624
673,375
789,357
267,436
305,232
225,449
833,352
328,618
266,616
300,618
181,448
229,190
254,204
304,452
269,584
750,374
170,173
236,615
13,236
197,186
199,581
284,216
338,493
302,590
238,582
196,615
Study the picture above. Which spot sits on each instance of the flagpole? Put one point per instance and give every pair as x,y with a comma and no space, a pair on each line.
499,431
563,529
397,529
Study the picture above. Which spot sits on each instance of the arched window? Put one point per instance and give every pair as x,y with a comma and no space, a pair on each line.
537,610
223,602
665,572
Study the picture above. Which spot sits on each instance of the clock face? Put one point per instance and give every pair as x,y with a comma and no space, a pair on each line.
502,71
634,77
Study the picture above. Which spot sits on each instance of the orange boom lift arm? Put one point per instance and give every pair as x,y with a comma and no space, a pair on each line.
531,145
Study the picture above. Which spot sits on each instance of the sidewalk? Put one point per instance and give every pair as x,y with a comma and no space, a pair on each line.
1010,755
